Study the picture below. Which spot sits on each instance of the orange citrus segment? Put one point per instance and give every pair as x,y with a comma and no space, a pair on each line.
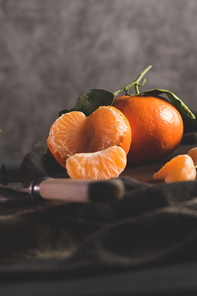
100,165
180,168
107,127
65,135
193,154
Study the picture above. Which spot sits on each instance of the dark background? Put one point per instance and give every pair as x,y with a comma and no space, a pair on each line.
53,51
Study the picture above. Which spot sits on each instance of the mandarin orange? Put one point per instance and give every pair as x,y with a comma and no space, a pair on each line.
179,168
156,126
100,165
73,133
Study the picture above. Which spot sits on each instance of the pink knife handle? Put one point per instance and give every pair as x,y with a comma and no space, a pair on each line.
70,190
64,189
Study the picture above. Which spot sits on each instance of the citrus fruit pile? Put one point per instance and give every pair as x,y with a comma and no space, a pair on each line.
103,132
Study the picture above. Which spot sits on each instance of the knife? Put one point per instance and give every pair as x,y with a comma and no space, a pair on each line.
65,190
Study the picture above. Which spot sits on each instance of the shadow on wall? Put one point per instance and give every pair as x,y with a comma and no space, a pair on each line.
53,51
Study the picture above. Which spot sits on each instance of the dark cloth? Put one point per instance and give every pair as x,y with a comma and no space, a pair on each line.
152,225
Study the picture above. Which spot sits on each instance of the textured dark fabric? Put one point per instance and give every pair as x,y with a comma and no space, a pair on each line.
151,226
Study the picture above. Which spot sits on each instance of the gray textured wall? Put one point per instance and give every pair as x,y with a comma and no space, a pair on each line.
52,51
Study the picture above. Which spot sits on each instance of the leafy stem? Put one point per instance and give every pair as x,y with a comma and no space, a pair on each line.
179,105
136,83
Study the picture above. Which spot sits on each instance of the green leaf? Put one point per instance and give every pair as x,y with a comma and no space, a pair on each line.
47,151
63,112
178,104
90,101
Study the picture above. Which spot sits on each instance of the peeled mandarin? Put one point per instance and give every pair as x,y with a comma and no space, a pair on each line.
73,133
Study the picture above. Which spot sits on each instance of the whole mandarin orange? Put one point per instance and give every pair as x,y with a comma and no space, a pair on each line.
156,126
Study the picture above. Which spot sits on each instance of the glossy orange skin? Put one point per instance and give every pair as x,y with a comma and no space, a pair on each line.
156,126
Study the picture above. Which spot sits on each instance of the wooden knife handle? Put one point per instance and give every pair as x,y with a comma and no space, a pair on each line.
70,190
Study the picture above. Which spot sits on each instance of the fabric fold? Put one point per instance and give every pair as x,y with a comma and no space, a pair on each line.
151,226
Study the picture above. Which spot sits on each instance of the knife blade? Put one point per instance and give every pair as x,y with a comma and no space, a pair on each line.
65,190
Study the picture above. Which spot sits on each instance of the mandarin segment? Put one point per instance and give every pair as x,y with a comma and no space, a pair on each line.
180,168
156,126
193,154
100,165
65,135
107,127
